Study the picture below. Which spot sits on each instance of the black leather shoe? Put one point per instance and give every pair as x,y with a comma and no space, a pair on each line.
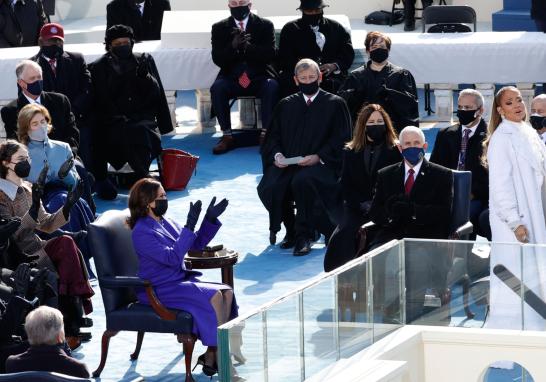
302,247
272,237
409,26
288,242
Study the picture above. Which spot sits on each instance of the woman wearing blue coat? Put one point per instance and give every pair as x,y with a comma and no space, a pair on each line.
161,244
33,125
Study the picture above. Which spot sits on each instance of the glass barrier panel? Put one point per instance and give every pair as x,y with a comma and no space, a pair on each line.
387,270
320,326
354,319
284,341
246,354
533,291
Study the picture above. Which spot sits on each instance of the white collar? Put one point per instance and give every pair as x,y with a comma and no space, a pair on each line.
472,130
244,21
141,7
30,100
416,170
312,98
9,188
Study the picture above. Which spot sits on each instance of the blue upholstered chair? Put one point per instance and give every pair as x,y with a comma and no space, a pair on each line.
117,266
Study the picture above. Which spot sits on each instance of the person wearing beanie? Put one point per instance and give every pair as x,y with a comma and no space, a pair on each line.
131,110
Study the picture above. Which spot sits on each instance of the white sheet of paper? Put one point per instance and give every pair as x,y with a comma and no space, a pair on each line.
289,161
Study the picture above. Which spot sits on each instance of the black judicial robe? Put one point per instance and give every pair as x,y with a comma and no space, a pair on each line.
299,130
393,88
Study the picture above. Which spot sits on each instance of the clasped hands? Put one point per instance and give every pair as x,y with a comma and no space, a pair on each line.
306,161
241,39
213,211
327,69
522,234
400,208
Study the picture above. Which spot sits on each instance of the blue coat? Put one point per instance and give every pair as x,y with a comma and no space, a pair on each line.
55,153
161,248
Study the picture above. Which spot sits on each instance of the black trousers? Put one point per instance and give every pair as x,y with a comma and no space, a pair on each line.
409,9
226,88
342,246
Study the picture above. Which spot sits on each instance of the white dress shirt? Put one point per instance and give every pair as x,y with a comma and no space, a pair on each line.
30,100
416,169
141,7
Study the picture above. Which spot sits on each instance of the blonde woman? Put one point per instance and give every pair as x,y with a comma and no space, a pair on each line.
516,158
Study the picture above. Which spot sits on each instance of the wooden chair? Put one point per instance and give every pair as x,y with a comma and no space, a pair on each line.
117,265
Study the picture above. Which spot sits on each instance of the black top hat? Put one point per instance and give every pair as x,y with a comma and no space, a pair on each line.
312,4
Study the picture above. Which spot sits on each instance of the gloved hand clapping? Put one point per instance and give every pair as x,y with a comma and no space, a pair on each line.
213,211
65,168
38,192
193,215
72,198
240,39
8,226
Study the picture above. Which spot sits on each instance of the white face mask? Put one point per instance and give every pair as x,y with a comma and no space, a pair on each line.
39,134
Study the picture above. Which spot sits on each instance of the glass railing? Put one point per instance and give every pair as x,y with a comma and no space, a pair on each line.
421,282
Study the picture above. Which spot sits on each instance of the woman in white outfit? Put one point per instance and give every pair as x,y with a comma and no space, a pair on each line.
517,168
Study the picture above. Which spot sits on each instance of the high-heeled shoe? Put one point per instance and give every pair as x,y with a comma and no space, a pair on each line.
200,361
209,370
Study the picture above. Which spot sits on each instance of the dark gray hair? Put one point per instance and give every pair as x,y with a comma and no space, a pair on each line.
43,326
304,64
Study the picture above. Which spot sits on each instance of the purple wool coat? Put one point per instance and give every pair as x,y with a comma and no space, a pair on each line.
161,247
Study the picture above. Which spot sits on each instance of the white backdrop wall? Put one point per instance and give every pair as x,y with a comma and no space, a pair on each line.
77,9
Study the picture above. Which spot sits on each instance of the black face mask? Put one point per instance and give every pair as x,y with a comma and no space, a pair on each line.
379,55
240,13
35,88
52,51
538,122
466,116
123,51
313,20
161,206
22,169
377,133
309,89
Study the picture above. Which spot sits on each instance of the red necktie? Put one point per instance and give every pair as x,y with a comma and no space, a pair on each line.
242,25
309,101
52,62
409,182
244,80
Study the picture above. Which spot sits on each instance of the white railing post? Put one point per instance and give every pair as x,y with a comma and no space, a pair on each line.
204,106
528,93
443,94
488,92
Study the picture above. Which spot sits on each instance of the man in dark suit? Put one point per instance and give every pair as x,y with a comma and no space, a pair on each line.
131,110
44,328
66,73
30,85
20,22
460,147
323,40
243,46
144,16
413,200
409,13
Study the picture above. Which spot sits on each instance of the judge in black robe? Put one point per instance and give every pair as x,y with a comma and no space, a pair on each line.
379,81
298,40
316,128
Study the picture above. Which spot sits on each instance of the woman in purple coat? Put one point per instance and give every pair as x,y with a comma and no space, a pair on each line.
161,245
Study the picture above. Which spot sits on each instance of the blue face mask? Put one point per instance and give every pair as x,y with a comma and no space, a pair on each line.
39,134
413,154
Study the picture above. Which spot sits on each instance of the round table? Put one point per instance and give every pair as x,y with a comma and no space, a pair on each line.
224,262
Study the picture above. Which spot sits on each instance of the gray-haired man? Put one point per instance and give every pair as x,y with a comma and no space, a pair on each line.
44,328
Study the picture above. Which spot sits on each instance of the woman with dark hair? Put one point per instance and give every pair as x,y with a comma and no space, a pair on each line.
516,157
21,199
33,126
161,244
373,147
